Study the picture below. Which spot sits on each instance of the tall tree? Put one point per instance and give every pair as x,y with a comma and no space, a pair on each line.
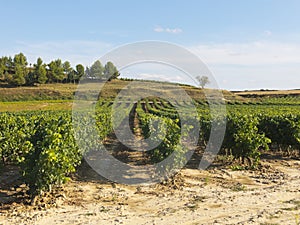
96,70
79,72
6,65
18,78
75,75
203,80
110,71
68,70
21,60
19,70
40,71
30,78
56,71
8,78
2,68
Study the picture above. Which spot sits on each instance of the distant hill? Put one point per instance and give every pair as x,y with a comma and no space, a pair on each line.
66,91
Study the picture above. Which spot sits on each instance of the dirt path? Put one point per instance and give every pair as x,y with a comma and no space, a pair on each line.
217,196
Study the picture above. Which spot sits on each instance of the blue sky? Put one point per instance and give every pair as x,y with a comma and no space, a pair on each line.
247,44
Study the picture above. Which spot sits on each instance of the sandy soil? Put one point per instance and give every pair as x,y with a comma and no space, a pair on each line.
216,196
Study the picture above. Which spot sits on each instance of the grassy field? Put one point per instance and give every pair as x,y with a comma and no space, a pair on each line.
49,135
41,92
60,96
35,105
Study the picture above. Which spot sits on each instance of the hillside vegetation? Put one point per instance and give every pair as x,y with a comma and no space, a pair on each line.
52,95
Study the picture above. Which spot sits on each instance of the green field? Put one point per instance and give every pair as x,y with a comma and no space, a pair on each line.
37,135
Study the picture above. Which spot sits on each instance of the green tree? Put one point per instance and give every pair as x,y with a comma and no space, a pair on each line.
2,68
96,70
21,60
19,71
56,71
1,73
110,71
40,71
68,70
75,75
30,78
79,72
71,76
18,78
6,66
8,78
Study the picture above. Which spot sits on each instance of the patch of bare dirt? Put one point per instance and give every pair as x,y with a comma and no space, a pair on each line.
270,195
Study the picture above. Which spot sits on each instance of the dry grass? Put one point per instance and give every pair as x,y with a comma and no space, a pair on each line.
35,105
273,93
109,90
42,92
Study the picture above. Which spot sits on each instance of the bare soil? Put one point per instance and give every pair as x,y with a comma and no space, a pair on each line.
219,195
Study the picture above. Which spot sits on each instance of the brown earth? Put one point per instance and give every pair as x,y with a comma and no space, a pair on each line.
219,195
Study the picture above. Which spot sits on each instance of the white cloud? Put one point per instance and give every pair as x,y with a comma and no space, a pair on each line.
267,33
168,30
173,31
159,29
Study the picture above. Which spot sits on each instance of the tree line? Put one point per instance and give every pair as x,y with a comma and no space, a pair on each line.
17,72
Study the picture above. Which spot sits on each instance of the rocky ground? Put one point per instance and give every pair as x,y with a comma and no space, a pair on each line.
270,195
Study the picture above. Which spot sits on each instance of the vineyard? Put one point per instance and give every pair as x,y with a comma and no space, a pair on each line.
45,147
